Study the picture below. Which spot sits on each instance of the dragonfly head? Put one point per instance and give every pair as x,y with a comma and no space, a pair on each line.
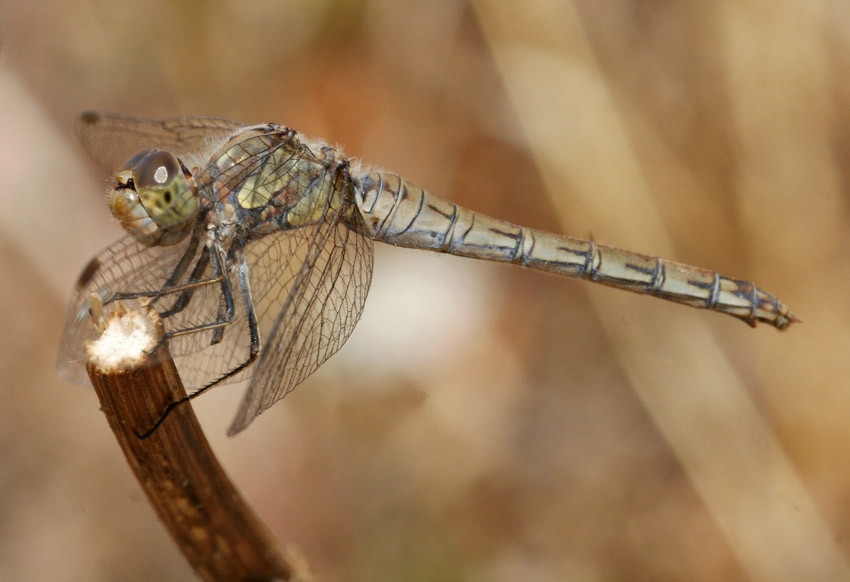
155,198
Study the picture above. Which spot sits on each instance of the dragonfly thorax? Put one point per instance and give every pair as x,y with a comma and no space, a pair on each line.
155,199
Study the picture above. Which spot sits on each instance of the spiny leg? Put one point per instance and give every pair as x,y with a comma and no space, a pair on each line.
187,290
232,257
171,282
219,269
254,351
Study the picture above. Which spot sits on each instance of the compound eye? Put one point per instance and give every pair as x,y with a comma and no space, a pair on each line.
156,170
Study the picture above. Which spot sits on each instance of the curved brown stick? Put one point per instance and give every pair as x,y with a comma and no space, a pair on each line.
200,507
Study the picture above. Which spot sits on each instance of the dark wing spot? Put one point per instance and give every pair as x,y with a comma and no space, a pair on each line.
89,117
88,273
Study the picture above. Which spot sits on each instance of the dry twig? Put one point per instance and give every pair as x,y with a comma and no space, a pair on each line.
217,532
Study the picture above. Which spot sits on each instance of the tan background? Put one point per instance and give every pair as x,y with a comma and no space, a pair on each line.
484,422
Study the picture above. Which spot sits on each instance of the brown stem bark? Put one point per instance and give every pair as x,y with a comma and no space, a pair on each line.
200,507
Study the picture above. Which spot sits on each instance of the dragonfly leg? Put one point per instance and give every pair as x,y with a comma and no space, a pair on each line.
223,305
222,319
185,289
254,352
255,344
178,272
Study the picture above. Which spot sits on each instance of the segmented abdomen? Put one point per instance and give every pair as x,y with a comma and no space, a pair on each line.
404,214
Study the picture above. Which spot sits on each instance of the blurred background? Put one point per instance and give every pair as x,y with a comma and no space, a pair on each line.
483,422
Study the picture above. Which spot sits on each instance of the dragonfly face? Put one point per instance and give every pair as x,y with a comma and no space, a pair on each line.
155,199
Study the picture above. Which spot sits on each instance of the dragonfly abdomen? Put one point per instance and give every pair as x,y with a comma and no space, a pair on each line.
694,286
401,213
404,214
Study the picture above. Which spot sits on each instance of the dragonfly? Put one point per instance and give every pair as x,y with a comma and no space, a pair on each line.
254,245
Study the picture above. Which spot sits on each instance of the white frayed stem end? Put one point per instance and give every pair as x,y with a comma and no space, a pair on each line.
127,338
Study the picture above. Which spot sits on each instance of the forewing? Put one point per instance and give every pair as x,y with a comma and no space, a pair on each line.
123,267
113,139
324,272
129,267
307,284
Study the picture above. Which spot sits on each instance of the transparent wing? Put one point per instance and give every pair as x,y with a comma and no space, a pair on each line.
113,139
325,271
129,267
126,266
307,284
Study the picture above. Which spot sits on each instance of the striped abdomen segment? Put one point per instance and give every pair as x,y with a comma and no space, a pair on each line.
404,214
